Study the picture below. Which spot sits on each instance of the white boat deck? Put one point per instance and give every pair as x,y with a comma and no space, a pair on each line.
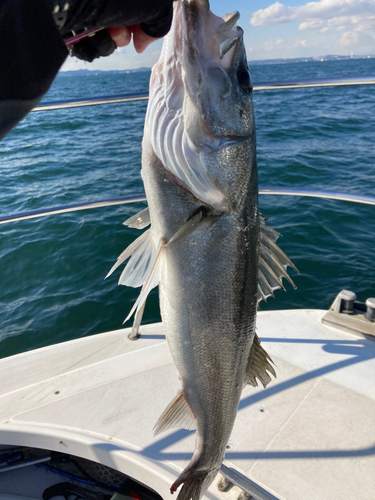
309,436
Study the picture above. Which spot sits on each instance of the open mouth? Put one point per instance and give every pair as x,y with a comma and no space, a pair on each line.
208,35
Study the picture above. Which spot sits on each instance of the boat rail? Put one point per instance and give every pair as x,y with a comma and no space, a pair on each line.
143,96
139,96
42,212
250,489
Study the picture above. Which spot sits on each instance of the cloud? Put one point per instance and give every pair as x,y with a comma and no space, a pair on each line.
360,14
274,14
354,38
310,25
270,45
279,48
337,26
349,38
359,23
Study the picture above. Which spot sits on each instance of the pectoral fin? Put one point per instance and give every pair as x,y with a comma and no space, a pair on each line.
188,228
258,365
177,414
145,255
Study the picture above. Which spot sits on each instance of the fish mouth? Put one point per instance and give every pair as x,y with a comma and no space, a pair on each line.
207,36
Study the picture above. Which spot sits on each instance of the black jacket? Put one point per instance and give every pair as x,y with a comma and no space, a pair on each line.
32,49
31,53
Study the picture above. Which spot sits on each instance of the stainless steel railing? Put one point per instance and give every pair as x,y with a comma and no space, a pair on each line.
330,195
63,209
122,98
251,489
142,96
91,101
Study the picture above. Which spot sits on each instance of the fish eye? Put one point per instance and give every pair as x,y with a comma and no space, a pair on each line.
244,79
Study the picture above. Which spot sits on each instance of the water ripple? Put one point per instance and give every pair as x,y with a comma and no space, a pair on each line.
52,269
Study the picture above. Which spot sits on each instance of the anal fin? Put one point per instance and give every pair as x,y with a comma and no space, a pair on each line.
177,414
258,365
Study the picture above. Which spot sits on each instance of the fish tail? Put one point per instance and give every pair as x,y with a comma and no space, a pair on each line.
195,483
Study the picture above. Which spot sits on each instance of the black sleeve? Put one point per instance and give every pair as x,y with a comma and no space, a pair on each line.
32,48
31,53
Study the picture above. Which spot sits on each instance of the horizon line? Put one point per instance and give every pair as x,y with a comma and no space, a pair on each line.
265,61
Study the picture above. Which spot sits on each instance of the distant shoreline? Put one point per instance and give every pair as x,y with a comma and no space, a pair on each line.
256,62
309,59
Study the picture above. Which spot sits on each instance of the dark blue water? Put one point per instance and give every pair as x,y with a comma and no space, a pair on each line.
52,269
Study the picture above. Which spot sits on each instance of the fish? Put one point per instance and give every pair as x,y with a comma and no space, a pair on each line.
208,248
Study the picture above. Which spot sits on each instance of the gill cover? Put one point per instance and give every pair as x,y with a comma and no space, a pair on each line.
192,90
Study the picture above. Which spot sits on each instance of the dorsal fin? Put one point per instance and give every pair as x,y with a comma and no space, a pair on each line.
272,263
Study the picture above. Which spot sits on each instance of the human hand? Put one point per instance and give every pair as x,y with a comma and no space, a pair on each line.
144,20
122,36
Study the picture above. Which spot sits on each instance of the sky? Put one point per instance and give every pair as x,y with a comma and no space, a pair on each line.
273,30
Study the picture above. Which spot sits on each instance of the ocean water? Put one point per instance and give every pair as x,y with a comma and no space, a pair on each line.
52,269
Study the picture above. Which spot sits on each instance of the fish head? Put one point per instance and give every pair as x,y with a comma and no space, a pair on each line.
201,114
217,81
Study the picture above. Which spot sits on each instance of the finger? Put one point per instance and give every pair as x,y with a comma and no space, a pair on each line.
121,35
90,48
140,39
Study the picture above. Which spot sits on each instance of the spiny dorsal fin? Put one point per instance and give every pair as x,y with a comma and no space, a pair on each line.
177,414
272,263
258,365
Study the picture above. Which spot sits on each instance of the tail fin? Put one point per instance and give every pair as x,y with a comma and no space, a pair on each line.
195,483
